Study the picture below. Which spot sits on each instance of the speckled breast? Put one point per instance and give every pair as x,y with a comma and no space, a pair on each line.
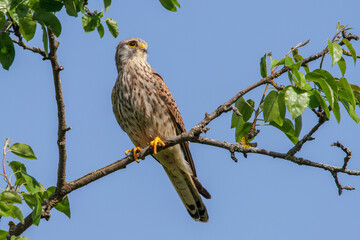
138,109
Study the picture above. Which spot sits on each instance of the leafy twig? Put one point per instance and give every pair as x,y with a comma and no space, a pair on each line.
3,164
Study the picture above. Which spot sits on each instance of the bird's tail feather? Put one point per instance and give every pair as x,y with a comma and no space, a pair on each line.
188,193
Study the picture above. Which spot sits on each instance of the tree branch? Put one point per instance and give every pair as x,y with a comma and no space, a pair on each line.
62,127
306,138
33,49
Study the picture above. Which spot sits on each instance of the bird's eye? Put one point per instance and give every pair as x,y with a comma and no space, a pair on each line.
132,44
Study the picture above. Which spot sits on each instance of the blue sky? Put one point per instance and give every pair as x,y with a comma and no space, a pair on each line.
206,52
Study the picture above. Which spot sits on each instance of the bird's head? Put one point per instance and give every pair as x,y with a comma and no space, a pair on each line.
129,49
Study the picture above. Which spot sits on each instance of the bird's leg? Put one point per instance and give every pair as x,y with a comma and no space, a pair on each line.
134,152
155,142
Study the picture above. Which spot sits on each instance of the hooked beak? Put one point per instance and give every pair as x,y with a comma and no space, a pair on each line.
142,47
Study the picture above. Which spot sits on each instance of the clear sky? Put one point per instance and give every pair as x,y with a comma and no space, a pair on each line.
206,52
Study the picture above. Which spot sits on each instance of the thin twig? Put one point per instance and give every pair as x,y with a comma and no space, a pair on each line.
33,49
346,150
306,138
339,186
3,164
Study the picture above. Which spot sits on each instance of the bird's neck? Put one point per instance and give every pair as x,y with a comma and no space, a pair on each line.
135,62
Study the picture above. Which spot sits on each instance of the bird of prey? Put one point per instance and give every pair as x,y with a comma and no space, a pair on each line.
146,111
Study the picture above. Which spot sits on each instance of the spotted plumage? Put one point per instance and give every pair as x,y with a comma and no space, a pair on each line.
145,109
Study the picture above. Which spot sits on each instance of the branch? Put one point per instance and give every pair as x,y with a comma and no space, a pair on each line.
33,49
62,127
346,150
306,138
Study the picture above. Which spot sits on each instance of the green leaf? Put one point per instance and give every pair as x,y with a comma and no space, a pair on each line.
351,110
339,26
355,87
100,30
335,51
10,196
107,4
336,110
22,150
46,194
13,237
30,200
175,2
325,87
50,20
27,27
2,19
3,234
31,184
357,98
14,3
346,91
89,23
113,28
71,8
7,51
274,107
322,103
17,167
273,63
331,49
169,5
296,101
314,103
263,70
4,210
19,12
288,129
36,214
328,78
351,49
64,207
246,108
45,39
298,125
342,66
15,212
290,63
242,129
51,5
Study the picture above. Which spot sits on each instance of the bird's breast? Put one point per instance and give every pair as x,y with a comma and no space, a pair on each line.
139,110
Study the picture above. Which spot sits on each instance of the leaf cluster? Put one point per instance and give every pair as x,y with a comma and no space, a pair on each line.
33,195
313,89
23,16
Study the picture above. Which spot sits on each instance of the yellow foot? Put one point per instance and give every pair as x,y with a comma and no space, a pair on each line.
134,152
155,142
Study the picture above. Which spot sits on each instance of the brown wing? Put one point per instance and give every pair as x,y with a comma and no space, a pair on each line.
165,94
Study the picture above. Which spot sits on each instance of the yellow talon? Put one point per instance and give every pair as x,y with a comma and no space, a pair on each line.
134,152
155,142
245,143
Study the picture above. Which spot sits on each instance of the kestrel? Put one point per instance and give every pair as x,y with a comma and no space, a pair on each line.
146,111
